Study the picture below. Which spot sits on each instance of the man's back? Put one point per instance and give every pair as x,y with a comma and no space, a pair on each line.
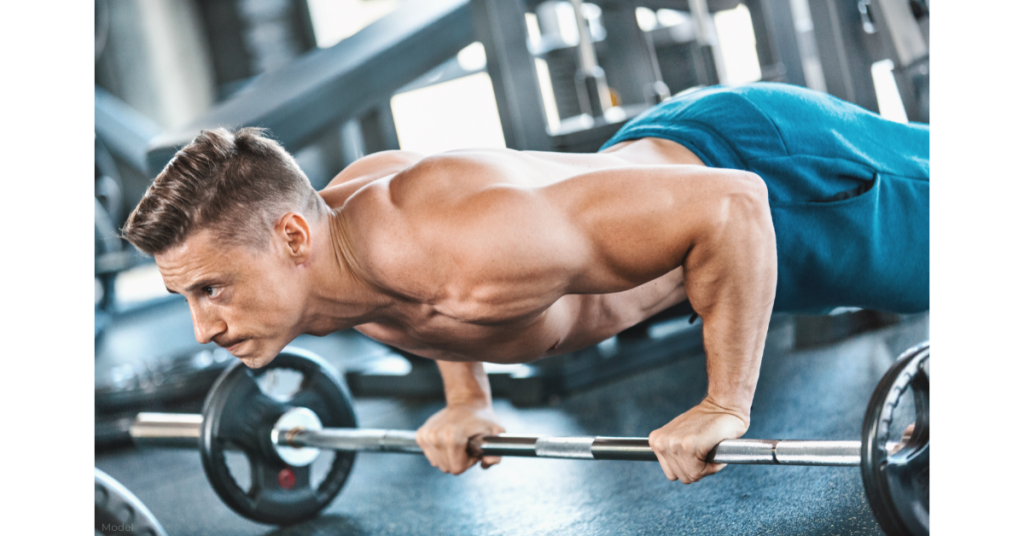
479,255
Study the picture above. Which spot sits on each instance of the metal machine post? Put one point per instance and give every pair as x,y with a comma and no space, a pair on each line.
501,26
632,66
776,41
845,49
908,49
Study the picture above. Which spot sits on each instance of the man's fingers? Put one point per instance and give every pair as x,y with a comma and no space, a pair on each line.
660,445
712,468
665,467
680,460
488,461
440,455
437,458
683,473
444,451
696,468
455,449
445,436
676,454
460,466
426,443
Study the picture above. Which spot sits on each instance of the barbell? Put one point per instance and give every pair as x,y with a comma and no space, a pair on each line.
282,438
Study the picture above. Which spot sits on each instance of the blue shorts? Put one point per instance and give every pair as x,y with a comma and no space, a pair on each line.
848,190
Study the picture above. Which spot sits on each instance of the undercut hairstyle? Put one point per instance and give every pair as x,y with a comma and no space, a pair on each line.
236,184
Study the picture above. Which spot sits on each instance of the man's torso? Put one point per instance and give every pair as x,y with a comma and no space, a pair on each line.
402,228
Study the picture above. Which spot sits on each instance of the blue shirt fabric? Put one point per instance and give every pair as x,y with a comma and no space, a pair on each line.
848,190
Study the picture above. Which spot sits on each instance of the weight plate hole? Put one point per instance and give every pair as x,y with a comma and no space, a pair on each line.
280,383
238,466
320,467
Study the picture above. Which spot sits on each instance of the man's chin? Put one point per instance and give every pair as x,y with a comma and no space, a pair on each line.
254,355
256,361
253,362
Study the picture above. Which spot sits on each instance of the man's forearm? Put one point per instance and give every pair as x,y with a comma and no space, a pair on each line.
730,279
465,382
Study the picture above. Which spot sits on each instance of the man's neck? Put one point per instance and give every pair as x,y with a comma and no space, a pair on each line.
340,297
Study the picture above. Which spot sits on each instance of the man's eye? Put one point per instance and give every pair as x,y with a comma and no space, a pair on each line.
209,291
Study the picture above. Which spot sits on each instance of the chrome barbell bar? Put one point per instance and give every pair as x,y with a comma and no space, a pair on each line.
183,430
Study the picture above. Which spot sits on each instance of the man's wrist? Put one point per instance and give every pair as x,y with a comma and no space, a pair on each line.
736,406
468,398
465,384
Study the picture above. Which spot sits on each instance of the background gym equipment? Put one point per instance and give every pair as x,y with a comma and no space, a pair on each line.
119,511
851,36
283,436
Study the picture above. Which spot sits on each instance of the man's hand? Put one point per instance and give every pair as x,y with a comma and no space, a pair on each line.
683,444
445,435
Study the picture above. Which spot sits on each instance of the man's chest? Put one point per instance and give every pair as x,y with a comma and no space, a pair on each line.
433,335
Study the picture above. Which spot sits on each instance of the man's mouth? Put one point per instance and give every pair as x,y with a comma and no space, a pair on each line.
234,346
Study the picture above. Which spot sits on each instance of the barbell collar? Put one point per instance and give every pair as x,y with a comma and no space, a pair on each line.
175,430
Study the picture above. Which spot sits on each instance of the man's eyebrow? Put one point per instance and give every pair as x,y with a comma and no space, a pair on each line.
200,284
193,286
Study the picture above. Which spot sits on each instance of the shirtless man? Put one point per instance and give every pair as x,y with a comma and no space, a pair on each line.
739,200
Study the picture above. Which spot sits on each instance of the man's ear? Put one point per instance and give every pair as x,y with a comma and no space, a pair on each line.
295,231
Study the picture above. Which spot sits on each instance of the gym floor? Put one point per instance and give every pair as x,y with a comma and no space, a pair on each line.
817,393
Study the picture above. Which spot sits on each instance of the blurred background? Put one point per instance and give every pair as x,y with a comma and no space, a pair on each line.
335,80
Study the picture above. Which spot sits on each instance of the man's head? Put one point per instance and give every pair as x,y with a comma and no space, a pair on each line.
228,222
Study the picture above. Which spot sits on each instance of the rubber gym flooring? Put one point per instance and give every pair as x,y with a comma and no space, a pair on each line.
817,393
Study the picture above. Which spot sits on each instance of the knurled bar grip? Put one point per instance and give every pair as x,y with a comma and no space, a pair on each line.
183,431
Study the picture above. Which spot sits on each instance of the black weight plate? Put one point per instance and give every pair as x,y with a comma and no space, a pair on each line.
238,414
896,484
119,511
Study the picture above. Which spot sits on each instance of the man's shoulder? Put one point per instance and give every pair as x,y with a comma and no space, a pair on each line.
365,171
446,178
376,165
406,228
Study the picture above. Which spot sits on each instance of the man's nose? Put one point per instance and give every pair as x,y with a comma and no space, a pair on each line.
207,326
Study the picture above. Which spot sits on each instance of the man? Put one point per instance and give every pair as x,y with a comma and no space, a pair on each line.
739,200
